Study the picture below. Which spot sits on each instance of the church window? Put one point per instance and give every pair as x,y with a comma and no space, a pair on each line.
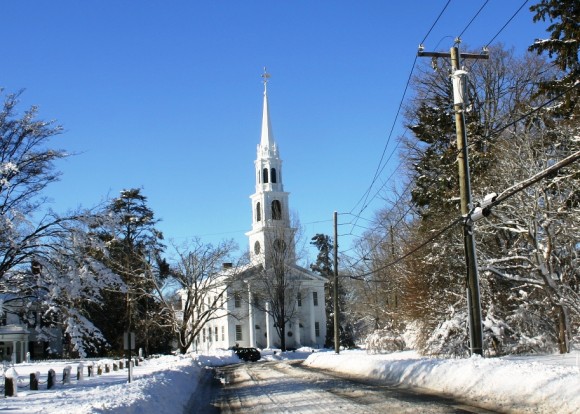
223,333
216,333
276,210
258,211
257,247
317,328
265,175
238,332
315,298
273,175
203,334
299,299
237,300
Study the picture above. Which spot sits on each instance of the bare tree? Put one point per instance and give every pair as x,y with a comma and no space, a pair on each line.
194,294
277,283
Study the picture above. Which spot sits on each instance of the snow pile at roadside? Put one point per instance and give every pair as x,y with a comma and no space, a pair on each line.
216,358
159,383
526,385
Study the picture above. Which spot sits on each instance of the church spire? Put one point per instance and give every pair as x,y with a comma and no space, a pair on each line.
267,145
270,208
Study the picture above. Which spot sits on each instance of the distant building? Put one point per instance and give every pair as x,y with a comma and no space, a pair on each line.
247,305
22,331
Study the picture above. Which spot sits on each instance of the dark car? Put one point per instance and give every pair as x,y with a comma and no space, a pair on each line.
248,354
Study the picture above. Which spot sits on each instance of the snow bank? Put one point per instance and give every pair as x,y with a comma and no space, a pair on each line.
491,382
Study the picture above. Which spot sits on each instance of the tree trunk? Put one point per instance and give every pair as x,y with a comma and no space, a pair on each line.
183,345
282,325
562,330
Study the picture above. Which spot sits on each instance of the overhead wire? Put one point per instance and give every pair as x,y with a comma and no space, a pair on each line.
508,193
382,163
472,19
462,32
380,167
507,23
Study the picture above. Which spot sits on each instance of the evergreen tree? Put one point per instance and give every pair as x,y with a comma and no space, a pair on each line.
324,266
563,45
135,248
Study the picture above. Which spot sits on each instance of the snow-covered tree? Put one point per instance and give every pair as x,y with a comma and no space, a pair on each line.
533,236
44,260
69,278
26,168
501,91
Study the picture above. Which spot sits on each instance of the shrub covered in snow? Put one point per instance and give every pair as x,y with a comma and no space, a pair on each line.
450,338
385,340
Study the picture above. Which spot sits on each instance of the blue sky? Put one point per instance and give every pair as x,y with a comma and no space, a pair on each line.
167,96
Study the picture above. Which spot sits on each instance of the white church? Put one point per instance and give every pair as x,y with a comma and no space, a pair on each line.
251,305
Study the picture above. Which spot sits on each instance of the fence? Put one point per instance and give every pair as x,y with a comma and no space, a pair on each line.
12,381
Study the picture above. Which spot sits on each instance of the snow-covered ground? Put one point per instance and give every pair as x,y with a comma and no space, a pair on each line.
539,384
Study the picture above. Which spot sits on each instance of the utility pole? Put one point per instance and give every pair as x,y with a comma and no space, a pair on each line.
458,77
335,287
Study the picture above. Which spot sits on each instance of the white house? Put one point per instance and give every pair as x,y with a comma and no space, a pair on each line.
22,332
247,306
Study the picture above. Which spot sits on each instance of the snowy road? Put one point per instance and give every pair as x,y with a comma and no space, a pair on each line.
287,387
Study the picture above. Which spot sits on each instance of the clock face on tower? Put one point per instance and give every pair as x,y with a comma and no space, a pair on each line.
257,247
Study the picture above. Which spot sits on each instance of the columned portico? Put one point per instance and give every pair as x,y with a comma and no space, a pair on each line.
13,343
312,319
297,332
268,336
251,318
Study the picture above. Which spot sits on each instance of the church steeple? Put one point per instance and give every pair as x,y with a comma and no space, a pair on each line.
267,142
270,209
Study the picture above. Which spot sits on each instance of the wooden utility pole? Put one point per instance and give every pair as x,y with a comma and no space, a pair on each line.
459,90
335,287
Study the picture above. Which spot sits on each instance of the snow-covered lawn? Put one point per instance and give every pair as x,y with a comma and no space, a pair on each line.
539,384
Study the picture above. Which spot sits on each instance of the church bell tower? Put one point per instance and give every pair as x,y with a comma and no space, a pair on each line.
271,235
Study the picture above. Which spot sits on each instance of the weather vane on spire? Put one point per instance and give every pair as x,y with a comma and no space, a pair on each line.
265,77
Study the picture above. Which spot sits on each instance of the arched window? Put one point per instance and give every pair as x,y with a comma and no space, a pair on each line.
273,175
258,212
276,210
265,176
259,178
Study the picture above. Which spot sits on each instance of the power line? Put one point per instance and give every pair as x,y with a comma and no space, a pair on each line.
506,194
365,196
508,22
416,249
435,22
472,19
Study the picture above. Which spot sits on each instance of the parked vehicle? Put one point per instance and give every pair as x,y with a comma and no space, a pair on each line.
248,354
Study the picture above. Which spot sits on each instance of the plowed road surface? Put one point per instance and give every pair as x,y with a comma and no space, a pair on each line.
288,387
